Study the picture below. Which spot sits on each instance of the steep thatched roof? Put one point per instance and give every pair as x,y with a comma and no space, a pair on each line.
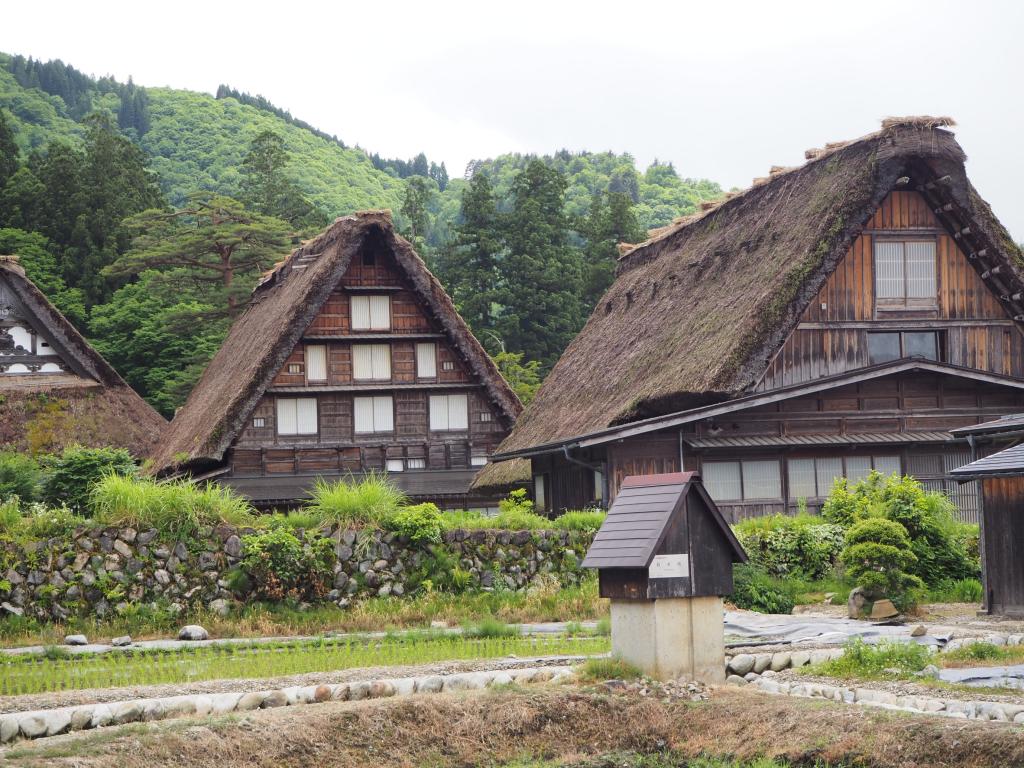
281,309
89,405
697,311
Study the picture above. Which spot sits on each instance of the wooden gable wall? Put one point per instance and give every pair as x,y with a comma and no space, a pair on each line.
831,336
259,449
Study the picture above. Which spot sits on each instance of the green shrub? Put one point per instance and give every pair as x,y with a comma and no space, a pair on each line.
878,558
755,590
20,476
279,566
887,659
958,591
585,520
802,545
944,548
418,523
10,516
612,668
976,651
40,522
71,475
490,627
177,509
369,501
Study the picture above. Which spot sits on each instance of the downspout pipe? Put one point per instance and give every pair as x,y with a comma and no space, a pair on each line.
593,468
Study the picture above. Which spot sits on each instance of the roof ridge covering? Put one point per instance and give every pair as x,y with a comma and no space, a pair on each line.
282,306
695,313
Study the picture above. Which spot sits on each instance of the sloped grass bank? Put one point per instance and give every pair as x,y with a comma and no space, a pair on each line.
548,727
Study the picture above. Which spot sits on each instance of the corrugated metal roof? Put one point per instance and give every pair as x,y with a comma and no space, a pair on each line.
868,438
636,520
1013,422
1009,462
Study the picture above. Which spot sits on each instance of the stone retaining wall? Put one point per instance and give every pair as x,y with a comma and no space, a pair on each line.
96,571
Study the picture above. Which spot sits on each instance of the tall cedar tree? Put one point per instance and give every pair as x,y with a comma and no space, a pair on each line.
419,193
267,189
611,221
469,267
215,239
8,151
541,278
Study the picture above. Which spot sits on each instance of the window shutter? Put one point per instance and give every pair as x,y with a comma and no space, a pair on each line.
438,412
426,360
827,471
360,313
889,270
539,492
380,313
722,480
316,362
801,478
362,361
381,361
287,422
761,480
458,412
383,414
857,468
363,415
305,416
395,465
887,465
920,269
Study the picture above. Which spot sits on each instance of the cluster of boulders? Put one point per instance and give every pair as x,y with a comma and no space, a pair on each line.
858,606
667,691
52,722
745,668
96,571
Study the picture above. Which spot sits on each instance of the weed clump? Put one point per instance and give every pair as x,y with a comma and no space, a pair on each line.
881,661
608,668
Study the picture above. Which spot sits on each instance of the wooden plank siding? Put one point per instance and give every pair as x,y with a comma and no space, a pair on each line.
1003,532
831,336
336,448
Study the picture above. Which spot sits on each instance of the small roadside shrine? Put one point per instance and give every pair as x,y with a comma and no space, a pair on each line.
664,557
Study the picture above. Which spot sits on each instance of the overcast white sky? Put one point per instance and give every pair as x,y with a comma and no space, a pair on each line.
723,89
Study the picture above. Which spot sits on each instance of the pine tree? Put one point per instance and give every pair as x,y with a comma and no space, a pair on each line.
419,193
611,221
267,189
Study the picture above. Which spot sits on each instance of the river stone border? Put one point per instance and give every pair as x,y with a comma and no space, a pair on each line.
871,697
52,722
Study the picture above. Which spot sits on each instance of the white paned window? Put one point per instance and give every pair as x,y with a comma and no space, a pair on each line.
477,461
43,348
887,465
449,412
598,486
371,313
316,362
889,270
426,360
905,271
371,362
857,468
259,422
395,465
802,483
761,480
22,337
540,492
827,470
722,480
296,416
373,414
416,463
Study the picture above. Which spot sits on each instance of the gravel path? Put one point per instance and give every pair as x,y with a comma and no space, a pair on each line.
98,695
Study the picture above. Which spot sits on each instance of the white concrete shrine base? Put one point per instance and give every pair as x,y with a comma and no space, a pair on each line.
671,638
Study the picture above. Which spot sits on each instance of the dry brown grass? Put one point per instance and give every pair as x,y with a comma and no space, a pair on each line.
556,724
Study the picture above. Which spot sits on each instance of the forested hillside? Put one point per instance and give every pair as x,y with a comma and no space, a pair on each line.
122,202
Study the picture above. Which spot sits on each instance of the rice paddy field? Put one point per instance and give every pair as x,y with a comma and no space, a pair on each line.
59,671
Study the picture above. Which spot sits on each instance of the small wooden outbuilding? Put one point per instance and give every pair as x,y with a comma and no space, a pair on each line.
1001,540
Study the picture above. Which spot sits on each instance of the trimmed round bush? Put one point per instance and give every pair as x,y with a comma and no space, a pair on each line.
877,557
